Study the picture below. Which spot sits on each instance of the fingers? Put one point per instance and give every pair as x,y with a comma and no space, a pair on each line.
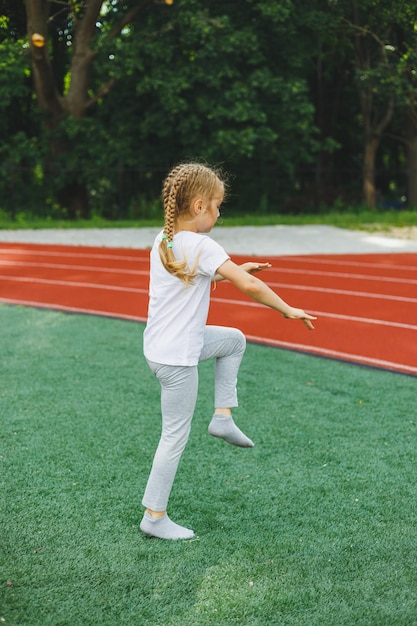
251,267
308,323
258,267
262,266
299,314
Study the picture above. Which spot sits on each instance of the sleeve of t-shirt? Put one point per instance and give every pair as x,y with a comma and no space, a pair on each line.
212,255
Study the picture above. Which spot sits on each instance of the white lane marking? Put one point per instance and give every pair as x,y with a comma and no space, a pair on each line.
70,283
71,309
334,354
348,263
350,318
78,285
345,292
76,255
388,279
85,268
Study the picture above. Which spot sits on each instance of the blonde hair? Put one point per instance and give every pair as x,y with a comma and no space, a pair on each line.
182,185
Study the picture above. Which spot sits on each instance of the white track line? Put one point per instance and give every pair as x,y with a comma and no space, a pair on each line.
71,283
334,354
71,309
280,270
345,292
134,290
85,268
363,294
145,259
363,320
276,269
344,356
141,259
261,340
389,279
331,261
75,255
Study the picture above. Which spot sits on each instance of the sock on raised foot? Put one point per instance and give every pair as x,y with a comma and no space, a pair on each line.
223,426
164,528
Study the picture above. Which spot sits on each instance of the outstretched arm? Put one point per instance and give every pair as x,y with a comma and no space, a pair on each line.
250,267
259,291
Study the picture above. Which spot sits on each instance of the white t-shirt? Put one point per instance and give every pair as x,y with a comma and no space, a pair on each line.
177,313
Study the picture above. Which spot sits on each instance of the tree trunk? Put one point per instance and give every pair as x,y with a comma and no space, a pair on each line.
77,99
371,54
411,161
369,190
73,194
37,13
74,197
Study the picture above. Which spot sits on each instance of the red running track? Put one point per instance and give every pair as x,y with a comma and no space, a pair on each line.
366,304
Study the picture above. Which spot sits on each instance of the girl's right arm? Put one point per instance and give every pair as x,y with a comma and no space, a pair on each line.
250,266
260,292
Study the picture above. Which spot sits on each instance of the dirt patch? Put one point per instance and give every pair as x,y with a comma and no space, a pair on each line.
405,232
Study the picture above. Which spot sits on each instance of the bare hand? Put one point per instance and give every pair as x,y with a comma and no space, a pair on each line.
251,267
299,314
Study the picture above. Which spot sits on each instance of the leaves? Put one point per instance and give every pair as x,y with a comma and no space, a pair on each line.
268,89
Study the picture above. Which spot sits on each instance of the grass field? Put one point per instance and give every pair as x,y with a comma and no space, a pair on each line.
315,526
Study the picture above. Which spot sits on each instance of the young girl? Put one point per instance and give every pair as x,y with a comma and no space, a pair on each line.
184,263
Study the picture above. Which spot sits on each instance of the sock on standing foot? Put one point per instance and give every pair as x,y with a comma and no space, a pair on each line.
164,528
224,427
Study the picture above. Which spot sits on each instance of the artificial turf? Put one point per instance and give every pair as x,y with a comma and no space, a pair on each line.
314,526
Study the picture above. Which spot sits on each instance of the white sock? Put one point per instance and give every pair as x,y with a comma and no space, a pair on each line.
164,528
224,427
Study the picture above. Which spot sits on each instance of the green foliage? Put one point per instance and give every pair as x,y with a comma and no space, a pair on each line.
267,89
21,149
340,215
15,84
212,85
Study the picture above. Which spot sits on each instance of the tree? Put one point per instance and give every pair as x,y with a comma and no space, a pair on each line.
406,52
65,39
19,148
370,35
409,63
374,29
212,82
126,88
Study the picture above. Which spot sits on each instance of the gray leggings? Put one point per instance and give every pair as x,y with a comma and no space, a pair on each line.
179,388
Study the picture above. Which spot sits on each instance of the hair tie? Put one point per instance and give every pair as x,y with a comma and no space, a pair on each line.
169,243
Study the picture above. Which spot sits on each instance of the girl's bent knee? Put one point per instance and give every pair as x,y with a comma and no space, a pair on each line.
240,340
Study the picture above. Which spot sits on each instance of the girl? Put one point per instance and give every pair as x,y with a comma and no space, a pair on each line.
184,263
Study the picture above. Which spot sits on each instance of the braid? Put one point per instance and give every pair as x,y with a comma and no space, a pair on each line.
172,210
181,185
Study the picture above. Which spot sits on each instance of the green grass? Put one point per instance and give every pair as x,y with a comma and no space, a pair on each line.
347,218
315,526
